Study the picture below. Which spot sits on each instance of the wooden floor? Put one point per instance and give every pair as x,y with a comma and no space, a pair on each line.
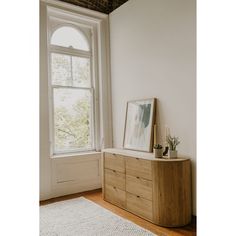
96,196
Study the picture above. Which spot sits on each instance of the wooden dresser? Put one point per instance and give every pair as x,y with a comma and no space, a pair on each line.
158,190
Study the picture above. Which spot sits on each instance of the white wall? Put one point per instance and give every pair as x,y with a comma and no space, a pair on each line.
153,55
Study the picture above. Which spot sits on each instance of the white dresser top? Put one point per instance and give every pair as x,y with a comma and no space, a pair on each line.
142,155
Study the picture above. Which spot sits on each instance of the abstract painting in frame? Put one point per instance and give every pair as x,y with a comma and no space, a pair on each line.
139,125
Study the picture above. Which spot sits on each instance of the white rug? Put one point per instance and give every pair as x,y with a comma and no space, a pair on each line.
81,217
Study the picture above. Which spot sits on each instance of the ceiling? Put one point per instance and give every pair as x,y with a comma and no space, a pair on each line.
105,6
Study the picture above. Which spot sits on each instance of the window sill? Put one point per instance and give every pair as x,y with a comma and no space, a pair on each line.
81,154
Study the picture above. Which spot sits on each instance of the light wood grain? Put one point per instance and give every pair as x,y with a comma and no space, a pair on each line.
115,178
139,168
141,155
139,206
164,185
115,195
139,186
115,162
172,193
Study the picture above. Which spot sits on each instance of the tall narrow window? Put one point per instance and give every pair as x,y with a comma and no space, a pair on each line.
72,91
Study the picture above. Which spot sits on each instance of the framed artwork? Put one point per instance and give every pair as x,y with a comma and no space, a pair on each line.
138,133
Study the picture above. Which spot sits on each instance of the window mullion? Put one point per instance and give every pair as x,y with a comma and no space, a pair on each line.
70,51
71,87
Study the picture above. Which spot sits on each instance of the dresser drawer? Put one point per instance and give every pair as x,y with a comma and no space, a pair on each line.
139,206
139,186
114,162
139,168
115,178
115,195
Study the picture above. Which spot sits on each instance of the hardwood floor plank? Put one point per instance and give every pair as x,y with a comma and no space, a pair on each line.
96,196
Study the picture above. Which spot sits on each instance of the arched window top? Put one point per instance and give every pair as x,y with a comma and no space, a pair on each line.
67,36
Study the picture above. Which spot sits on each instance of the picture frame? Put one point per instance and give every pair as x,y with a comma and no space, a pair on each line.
139,122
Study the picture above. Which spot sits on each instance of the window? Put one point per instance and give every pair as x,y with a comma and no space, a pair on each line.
72,87
70,37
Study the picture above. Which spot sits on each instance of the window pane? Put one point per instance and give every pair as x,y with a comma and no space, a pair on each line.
61,69
72,120
70,37
81,72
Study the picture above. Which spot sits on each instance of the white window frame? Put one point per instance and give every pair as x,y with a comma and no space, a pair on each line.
74,20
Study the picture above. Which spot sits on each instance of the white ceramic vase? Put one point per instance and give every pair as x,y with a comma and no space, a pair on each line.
172,154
